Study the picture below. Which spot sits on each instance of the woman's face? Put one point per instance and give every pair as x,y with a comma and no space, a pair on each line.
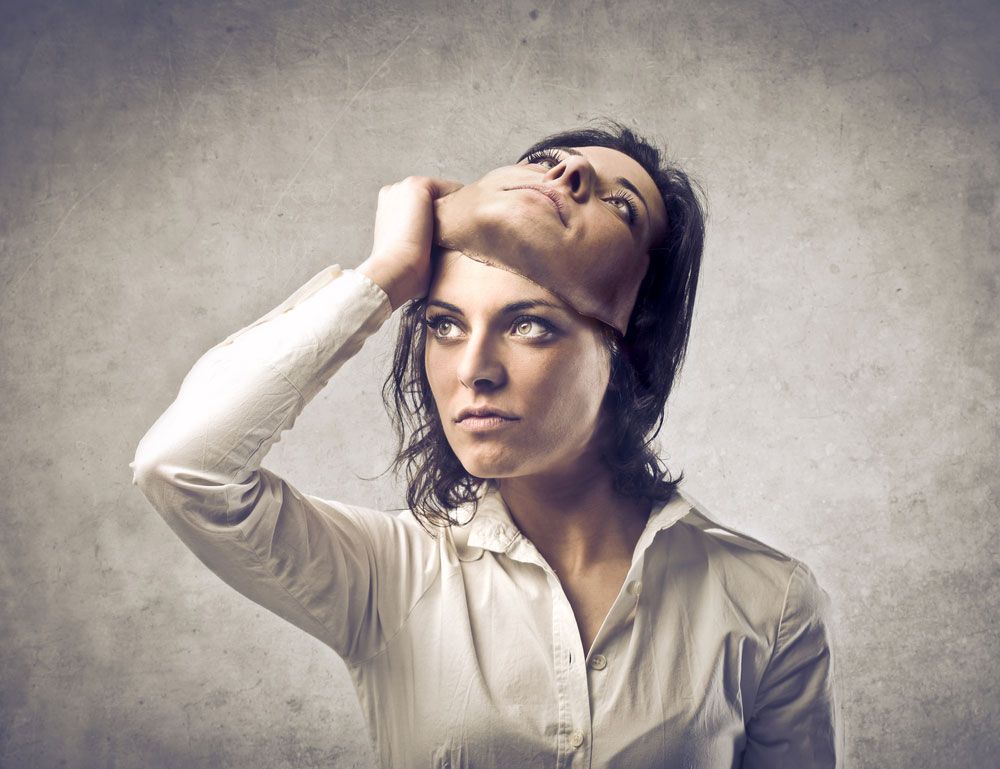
577,203
499,343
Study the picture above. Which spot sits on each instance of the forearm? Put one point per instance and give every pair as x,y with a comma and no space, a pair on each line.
394,277
243,393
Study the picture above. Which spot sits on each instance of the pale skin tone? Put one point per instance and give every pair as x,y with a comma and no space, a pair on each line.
544,365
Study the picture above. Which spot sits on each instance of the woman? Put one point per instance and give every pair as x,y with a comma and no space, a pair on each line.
550,598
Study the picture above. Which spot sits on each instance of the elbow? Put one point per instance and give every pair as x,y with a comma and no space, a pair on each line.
154,455
152,469
180,494
154,478
167,456
144,470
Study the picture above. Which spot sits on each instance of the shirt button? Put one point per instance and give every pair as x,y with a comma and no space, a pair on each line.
599,662
635,587
576,738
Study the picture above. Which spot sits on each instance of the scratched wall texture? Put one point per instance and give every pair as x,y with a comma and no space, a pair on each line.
172,170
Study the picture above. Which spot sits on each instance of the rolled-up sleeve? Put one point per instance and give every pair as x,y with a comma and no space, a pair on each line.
796,721
318,564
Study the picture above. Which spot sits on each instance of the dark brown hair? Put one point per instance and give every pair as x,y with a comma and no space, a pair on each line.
644,363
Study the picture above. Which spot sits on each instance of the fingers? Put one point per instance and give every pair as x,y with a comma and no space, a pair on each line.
434,186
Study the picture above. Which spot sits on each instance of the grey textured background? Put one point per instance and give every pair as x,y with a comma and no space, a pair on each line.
172,170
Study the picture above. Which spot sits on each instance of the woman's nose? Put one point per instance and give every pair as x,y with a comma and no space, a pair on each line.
481,368
575,173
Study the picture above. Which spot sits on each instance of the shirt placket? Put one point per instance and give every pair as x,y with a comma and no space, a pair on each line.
606,665
575,721
582,679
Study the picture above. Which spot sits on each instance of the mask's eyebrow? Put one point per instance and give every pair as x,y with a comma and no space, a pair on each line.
619,180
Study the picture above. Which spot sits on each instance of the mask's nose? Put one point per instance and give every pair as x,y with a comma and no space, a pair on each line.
575,174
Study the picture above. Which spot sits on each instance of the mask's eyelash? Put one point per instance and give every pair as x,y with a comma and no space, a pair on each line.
633,208
534,157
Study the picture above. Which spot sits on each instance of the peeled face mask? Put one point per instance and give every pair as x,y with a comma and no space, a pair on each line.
594,270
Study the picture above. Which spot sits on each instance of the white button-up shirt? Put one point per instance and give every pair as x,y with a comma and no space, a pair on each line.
463,648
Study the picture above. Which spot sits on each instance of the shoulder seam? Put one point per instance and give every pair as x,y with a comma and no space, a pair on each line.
749,542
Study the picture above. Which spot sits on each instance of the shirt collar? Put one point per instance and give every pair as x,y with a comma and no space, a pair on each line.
493,529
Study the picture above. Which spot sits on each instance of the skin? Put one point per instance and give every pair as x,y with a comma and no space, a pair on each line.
547,365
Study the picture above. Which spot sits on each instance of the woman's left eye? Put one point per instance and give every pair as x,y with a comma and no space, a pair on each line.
531,328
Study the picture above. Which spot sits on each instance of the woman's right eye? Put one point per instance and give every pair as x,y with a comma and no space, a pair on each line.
442,327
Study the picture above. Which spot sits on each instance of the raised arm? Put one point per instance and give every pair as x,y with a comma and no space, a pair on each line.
346,575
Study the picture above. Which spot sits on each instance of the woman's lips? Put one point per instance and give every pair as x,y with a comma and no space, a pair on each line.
553,197
483,424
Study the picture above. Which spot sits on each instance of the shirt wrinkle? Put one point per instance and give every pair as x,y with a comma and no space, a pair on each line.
402,627
262,562
781,614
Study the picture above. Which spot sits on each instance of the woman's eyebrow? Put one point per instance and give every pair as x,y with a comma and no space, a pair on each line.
505,310
445,305
620,180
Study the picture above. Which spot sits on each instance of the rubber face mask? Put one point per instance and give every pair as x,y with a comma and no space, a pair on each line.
566,233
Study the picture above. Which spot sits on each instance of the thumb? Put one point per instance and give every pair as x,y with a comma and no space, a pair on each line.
441,187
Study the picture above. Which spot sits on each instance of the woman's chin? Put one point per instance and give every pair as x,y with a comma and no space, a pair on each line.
480,464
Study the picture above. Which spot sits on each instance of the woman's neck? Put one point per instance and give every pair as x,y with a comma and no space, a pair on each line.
576,520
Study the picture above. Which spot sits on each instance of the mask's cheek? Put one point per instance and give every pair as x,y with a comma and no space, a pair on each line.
482,223
454,219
